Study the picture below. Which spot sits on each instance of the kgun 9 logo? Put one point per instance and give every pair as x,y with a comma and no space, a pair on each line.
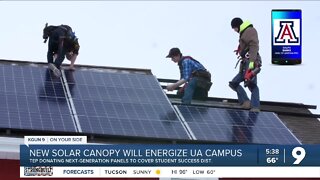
298,153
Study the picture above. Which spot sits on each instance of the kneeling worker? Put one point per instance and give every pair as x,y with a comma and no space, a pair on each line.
62,43
196,78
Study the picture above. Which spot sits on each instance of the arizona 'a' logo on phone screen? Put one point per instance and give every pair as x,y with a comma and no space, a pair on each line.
286,32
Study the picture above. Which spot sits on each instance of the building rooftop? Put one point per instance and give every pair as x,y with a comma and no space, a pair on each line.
296,116
136,112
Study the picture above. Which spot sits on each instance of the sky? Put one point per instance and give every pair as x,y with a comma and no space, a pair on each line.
139,34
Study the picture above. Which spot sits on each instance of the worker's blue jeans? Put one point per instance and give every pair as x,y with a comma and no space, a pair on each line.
242,95
190,91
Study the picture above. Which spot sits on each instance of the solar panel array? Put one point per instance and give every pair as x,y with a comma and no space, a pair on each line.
32,98
123,105
236,126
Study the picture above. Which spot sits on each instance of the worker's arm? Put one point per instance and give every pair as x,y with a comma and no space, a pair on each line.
72,59
74,54
173,86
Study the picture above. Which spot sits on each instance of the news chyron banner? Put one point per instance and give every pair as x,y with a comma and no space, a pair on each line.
72,156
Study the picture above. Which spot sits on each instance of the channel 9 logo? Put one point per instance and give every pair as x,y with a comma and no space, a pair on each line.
38,171
286,32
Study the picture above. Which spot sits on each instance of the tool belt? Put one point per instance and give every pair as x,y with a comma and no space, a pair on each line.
243,65
204,79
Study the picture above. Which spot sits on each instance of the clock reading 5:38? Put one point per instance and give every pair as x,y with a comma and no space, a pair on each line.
272,151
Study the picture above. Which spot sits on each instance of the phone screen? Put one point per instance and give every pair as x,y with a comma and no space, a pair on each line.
286,36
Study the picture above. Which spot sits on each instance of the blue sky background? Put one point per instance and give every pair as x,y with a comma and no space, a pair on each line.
139,34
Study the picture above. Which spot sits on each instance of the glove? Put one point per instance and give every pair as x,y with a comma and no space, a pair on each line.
249,74
181,90
251,65
247,77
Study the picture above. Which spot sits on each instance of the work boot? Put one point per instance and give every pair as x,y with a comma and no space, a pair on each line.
255,110
246,105
55,70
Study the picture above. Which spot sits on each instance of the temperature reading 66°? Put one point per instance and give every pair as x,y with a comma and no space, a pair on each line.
272,160
298,153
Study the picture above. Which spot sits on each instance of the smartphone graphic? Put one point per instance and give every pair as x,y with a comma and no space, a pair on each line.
286,34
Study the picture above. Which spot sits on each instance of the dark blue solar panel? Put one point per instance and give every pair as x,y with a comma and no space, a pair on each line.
32,98
236,126
123,104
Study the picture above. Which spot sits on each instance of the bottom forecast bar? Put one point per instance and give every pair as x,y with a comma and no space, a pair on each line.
165,172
